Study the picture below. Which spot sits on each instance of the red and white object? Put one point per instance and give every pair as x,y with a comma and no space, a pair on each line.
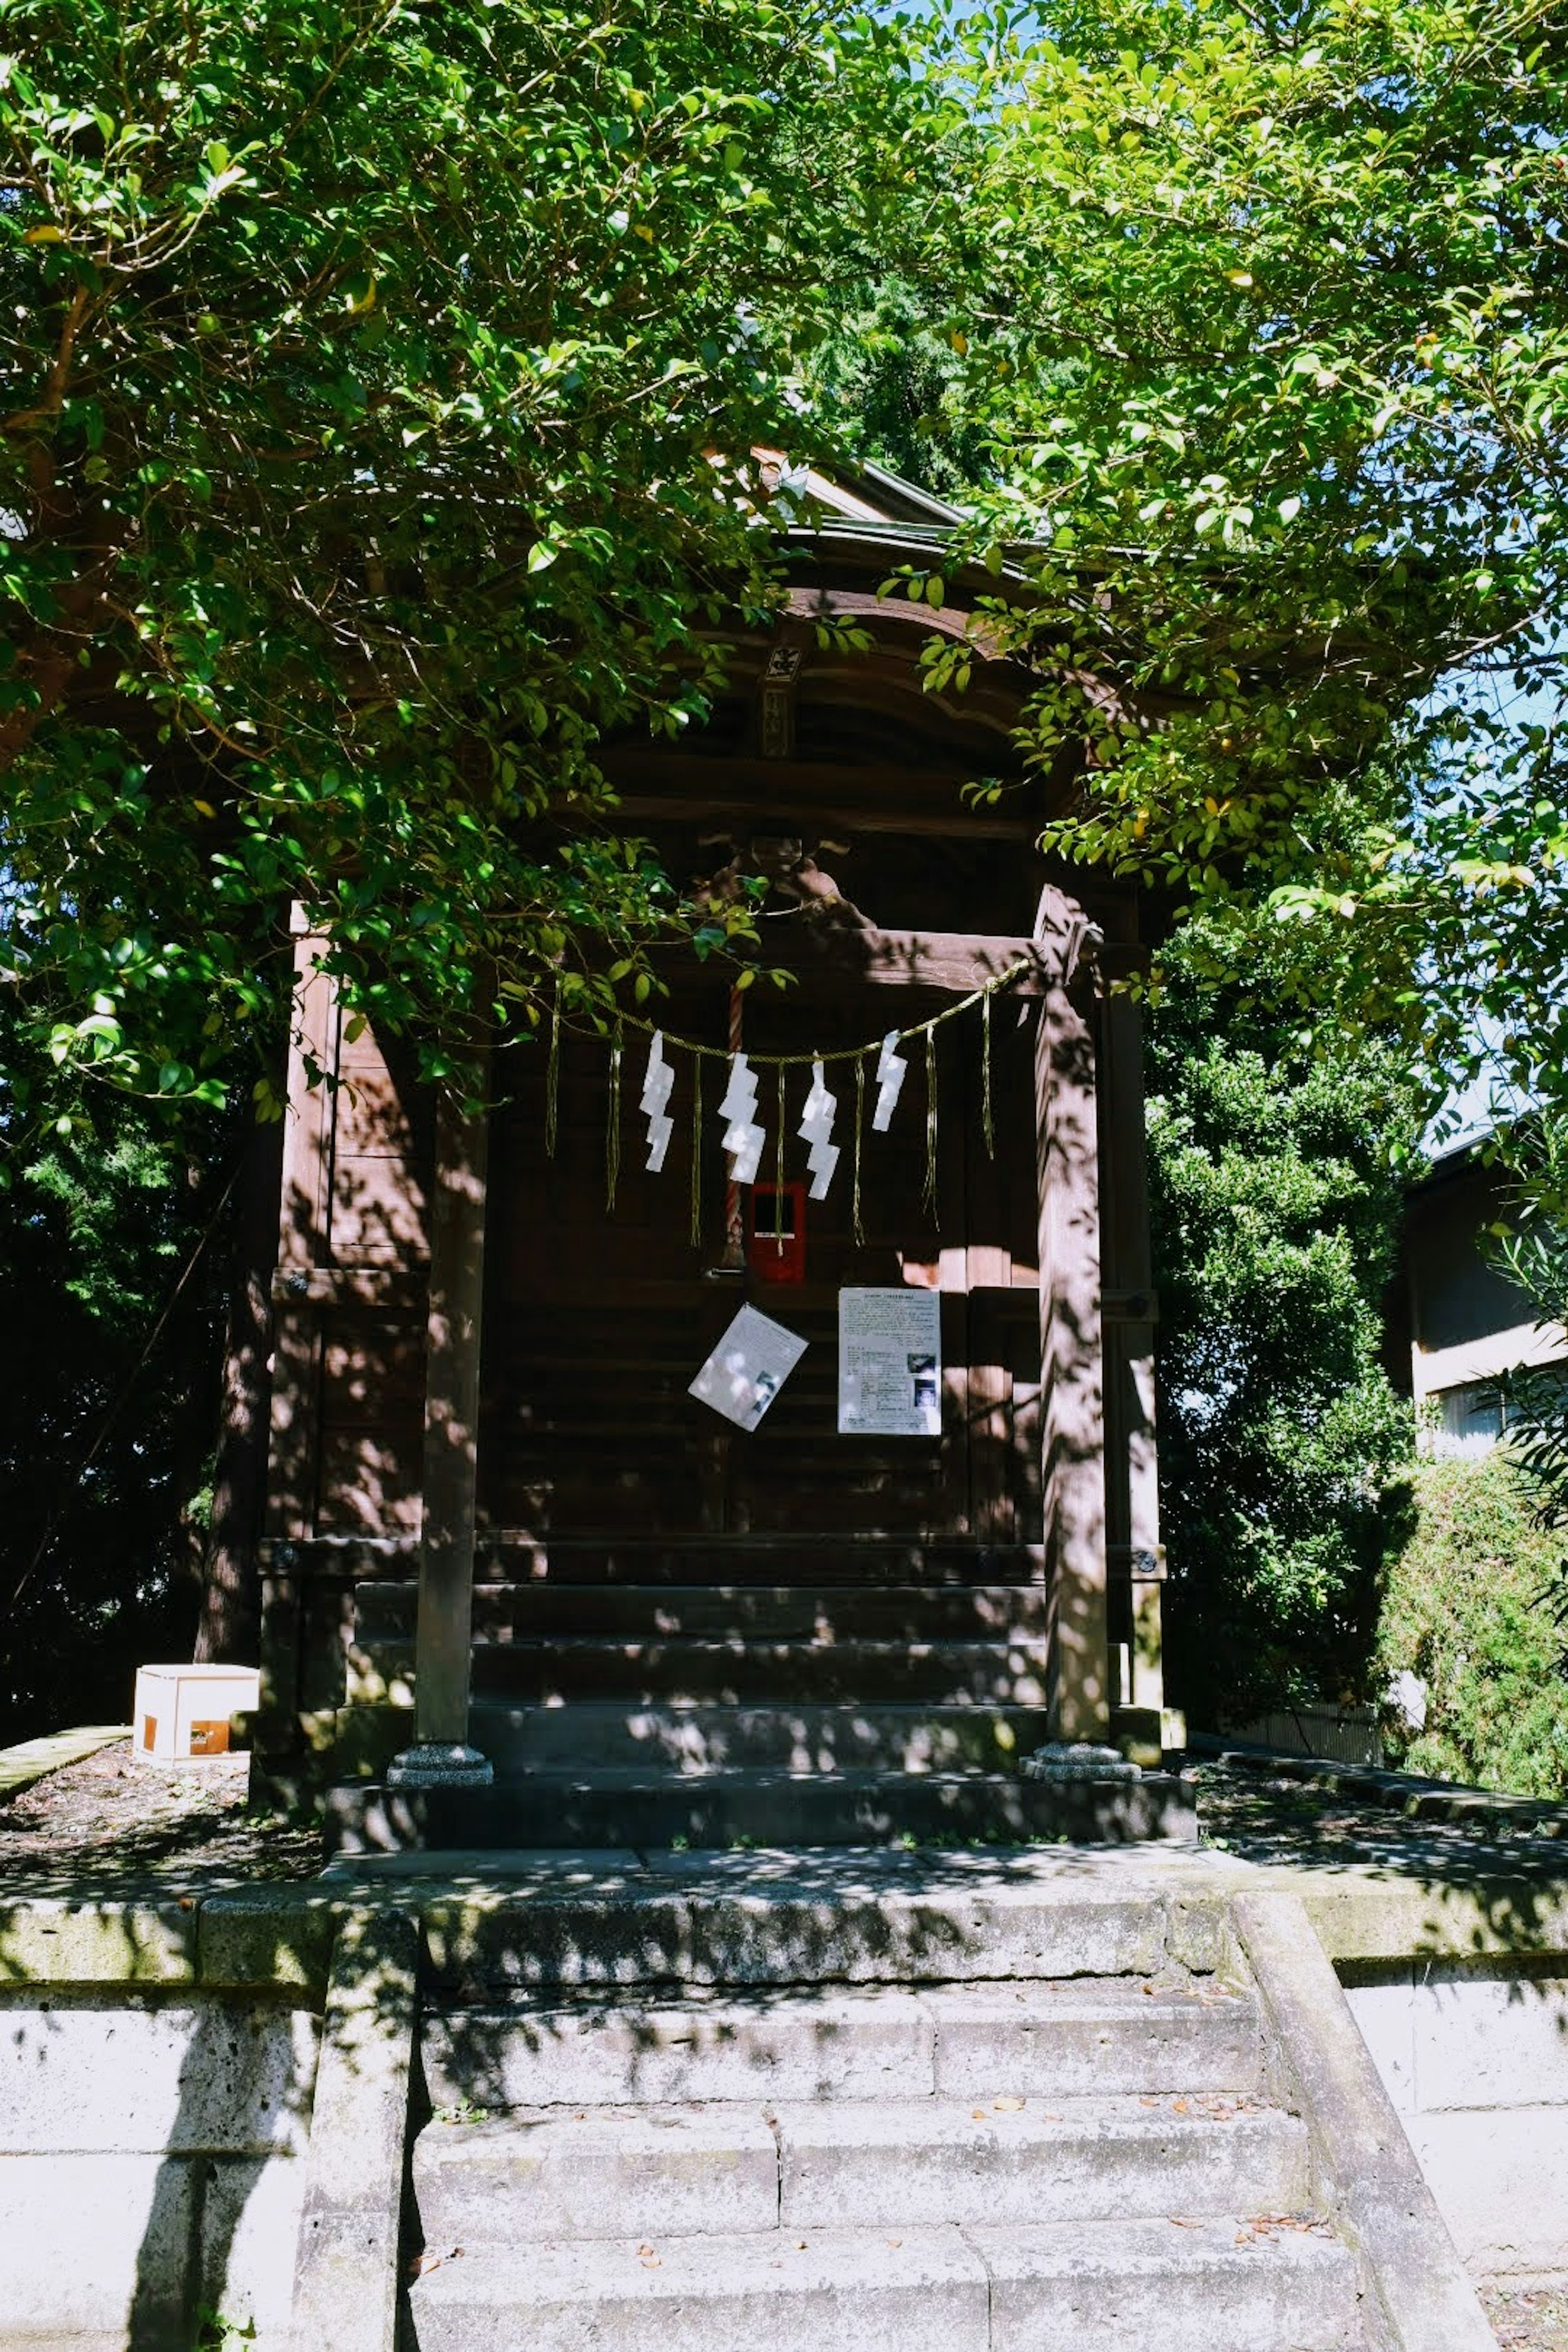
181,1713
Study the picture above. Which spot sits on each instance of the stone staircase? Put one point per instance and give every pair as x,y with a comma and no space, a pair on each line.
651,1714
1080,2156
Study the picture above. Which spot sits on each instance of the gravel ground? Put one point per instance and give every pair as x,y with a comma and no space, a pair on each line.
109,1819
110,1815
1246,1810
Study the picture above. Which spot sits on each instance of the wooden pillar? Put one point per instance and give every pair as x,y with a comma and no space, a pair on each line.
1135,1557
1071,1378
444,1639
294,1414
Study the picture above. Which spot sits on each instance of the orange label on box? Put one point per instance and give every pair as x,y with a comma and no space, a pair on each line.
210,1738
149,1731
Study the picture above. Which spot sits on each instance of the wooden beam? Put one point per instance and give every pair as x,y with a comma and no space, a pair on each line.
307,1121
825,811
294,1414
870,797
1137,1561
1072,1412
949,963
443,1638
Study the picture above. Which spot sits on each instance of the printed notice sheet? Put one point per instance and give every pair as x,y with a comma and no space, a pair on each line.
890,1363
748,1367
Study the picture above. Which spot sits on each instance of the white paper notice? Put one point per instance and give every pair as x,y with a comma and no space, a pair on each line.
748,1367
890,1363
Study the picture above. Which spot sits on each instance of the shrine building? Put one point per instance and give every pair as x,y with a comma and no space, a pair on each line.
523,1586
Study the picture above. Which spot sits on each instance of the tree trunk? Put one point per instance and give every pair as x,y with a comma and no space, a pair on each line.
229,1625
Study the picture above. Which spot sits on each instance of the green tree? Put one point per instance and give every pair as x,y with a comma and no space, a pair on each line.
1282,1444
382,375
107,1419
1262,314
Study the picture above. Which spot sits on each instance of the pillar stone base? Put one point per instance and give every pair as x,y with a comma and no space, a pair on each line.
1077,1759
440,1764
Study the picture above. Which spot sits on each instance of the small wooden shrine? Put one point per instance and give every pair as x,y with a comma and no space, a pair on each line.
493,1493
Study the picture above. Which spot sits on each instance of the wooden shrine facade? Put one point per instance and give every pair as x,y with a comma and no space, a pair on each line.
482,1366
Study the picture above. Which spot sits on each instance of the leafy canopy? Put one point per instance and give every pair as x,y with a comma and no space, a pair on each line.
1263,314
369,364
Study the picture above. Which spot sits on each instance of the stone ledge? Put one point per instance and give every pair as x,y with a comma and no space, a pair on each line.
35,1759
1412,1794
107,1939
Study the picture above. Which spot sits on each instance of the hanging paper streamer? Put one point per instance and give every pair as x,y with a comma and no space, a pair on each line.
697,1153
743,1137
890,1068
553,1075
817,1133
613,1127
657,1087
928,1190
860,1229
778,1170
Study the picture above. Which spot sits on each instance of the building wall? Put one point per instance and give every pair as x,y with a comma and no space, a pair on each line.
1468,1323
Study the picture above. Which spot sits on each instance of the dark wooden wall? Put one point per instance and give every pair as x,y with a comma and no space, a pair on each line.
597,1319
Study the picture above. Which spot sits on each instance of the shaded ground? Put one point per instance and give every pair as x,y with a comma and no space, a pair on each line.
139,1820
136,1820
1246,1810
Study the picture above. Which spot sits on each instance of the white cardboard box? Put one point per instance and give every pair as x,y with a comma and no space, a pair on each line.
181,1712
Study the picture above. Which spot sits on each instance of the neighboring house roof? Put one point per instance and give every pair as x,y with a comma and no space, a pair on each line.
1483,1106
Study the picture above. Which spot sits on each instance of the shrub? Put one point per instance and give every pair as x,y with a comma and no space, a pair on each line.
1282,1444
1463,1611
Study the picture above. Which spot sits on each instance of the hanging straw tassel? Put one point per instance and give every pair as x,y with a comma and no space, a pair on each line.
613,1127
858,1228
986,1124
928,1191
778,1173
696,1151
553,1075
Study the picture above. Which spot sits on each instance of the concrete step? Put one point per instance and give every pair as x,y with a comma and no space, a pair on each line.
542,2173
384,1609
744,1806
1254,2283
665,1669
1078,2037
1222,2285
876,1736
1007,2161
835,1917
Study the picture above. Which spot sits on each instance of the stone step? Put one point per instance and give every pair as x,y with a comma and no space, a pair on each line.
696,1736
665,1669
1078,2037
384,1609
836,1917
542,2173
1221,2285
1256,2283
744,1806
1003,2163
